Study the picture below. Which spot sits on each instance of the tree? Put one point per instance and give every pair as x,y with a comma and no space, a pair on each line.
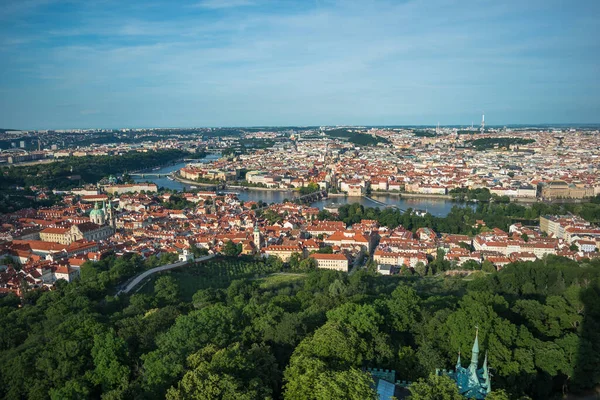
488,266
404,308
439,264
574,247
405,271
308,264
338,288
525,237
325,250
230,249
471,265
231,373
421,268
109,354
294,260
166,289
199,251
310,188
352,385
213,324
497,395
434,388
309,378
72,390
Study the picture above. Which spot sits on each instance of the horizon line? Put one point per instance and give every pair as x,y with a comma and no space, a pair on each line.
532,125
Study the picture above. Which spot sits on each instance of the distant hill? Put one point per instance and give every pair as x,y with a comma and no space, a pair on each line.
358,138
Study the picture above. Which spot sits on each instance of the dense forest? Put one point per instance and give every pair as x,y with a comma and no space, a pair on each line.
200,332
73,171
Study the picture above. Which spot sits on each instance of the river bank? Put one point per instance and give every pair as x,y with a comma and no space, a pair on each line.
168,180
412,195
178,178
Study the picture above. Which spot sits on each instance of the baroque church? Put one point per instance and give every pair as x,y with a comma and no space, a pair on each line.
100,227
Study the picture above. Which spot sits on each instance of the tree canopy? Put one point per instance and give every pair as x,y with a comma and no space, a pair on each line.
301,335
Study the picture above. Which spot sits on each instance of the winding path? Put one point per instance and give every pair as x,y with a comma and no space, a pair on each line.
146,274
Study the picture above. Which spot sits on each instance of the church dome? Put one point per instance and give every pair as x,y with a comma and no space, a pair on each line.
97,212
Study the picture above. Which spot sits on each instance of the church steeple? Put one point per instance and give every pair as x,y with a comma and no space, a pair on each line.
486,374
111,215
475,351
472,382
257,238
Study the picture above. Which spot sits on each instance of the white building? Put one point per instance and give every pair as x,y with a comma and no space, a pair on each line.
338,262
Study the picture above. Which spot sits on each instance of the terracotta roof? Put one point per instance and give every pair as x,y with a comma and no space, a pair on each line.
55,230
319,256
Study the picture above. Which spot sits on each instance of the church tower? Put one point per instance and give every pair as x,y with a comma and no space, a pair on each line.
257,238
111,215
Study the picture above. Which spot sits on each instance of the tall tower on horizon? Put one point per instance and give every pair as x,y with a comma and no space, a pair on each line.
482,123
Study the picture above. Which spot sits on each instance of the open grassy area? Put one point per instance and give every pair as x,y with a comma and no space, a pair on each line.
279,279
216,273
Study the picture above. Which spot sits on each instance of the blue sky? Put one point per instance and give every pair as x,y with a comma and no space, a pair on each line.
109,63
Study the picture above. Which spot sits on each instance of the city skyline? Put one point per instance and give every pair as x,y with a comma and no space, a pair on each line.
262,63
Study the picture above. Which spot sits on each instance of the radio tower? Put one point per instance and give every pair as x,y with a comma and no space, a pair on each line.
482,123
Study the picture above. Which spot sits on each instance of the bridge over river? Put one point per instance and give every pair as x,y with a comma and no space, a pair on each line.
385,205
150,175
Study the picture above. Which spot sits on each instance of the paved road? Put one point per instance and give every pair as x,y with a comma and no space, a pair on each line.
146,274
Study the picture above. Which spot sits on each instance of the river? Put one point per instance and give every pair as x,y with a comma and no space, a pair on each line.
439,208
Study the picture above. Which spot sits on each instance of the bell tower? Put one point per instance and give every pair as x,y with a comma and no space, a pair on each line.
111,215
257,238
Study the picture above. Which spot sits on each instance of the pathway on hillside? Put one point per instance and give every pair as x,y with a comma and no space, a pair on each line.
146,274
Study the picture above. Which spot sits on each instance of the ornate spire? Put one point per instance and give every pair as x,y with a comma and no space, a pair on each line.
458,364
486,374
475,351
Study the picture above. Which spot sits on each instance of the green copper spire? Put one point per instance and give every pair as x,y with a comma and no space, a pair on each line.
472,382
485,367
475,351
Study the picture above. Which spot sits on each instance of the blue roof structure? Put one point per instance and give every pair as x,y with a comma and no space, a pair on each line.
472,382
385,389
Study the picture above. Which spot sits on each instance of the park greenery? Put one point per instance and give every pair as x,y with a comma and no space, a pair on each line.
176,202
231,329
479,194
424,133
74,171
462,219
356,137
70,172
308,189
498,142
12,200
244,146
